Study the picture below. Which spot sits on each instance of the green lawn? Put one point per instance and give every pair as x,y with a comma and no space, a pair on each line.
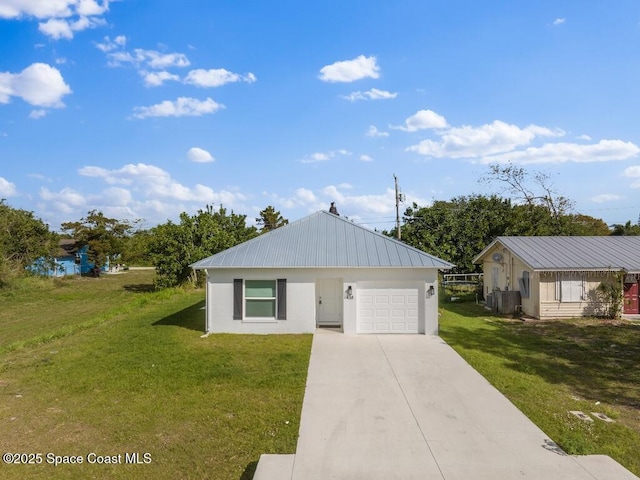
37,309
131,374
549,368
110,367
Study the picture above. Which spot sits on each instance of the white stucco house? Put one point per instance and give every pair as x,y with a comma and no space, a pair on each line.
322,270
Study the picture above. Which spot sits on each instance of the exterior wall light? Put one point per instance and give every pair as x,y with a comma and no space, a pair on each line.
349,293
431,291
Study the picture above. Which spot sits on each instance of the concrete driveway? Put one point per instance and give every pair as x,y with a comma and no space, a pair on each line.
409,407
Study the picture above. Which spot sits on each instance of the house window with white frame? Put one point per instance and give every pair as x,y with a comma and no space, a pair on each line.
570,287
260,300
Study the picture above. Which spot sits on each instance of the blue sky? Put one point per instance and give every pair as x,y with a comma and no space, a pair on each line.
145,109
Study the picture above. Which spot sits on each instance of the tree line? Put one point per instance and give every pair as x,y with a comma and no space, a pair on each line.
170,247
455,230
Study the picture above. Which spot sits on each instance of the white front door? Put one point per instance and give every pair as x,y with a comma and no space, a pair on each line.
329,302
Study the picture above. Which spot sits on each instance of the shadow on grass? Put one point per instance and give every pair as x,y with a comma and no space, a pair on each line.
140,288
192,318
249,471
596,359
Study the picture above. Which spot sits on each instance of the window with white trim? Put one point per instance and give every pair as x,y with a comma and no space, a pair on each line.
260,299
570,287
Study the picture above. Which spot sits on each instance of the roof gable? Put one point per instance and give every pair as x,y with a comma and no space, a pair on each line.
573,253
321,240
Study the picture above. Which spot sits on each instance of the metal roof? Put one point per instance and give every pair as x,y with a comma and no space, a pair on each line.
573,253
321,240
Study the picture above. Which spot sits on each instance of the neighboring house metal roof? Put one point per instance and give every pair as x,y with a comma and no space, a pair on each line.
68,247
573,253
321,240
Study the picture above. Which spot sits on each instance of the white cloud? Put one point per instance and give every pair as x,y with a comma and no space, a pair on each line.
374,132
39,84
316,157
36,114
216,77
584,137
606,197
302,197
422,120
91,7
108,45
490,139
39,176
162,60
306,195
347,202
350,70
58,28
366,158
558,21
116,197
633,172
156,184
156,79
7,189
603,151
149,58
60,18
152,66
379,204
182,107
373,94
323,157
37,9
199,155
66,200
134,191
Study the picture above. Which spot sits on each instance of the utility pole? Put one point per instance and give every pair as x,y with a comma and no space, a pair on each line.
399,198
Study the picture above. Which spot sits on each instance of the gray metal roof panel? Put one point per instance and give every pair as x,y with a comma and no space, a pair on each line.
575,253
321,240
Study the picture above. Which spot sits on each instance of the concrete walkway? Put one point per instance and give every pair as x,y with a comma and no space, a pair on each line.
409,407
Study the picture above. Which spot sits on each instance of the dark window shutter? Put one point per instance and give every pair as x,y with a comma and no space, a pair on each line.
282,299
237,299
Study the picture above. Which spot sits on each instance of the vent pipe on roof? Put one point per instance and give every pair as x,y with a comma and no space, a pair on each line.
333,209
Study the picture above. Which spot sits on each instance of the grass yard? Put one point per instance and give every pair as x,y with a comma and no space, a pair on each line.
549,368
38,309
107,366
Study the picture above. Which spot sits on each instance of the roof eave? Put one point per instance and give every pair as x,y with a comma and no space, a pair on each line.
582,269
323,267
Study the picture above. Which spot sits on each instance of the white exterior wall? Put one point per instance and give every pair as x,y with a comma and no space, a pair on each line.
302,301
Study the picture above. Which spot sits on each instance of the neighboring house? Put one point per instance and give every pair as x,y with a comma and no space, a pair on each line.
322,270
558,277
71,259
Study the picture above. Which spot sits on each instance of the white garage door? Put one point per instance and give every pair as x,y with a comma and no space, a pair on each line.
388,310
